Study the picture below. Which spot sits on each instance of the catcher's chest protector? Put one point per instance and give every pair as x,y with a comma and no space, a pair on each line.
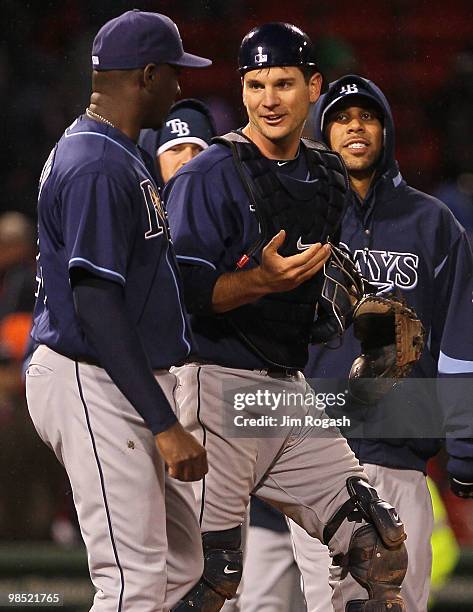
277,327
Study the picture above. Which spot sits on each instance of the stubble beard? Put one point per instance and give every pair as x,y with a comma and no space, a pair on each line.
361,168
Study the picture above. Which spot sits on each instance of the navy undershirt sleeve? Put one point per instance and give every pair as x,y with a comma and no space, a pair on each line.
119,348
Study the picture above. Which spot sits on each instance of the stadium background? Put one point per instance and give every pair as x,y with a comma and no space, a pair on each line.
419,52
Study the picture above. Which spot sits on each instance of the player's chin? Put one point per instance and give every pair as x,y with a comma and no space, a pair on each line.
275,133
357,164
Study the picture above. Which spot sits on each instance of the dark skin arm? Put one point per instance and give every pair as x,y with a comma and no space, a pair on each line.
185,458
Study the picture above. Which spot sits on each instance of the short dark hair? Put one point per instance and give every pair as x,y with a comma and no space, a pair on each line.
308,72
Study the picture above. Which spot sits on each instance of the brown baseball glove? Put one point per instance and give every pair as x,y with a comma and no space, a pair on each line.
392,340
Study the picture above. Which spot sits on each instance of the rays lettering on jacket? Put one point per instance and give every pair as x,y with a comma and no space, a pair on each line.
388,269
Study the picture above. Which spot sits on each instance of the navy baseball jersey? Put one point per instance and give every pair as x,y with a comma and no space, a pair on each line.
213,224
99,201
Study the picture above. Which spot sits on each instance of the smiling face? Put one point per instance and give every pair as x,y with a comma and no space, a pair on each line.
356,132
277,102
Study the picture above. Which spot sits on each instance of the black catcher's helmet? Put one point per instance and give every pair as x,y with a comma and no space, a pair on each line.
275,44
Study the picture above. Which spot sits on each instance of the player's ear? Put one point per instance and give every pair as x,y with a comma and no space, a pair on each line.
315,86
149,75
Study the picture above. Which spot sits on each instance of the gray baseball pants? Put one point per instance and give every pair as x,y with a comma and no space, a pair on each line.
271,579
302,470
139,526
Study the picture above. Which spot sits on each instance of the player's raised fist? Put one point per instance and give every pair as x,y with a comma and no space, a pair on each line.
185,458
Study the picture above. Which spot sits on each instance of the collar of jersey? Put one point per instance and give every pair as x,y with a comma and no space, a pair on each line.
280,163
130,147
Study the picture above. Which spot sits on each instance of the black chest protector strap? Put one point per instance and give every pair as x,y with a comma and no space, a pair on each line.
308,210
277,326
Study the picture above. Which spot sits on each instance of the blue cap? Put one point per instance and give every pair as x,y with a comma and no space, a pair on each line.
189,121
137,38
349,86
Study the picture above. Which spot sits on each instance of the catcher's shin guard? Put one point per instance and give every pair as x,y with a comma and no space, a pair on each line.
380,570
223,567
377,555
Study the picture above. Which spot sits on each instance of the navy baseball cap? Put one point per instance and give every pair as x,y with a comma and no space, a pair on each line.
189,121
353,86
137,38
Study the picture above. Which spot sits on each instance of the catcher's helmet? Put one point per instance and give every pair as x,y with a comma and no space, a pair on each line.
275,44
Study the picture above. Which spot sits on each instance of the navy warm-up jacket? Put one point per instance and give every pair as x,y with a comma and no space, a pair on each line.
403,239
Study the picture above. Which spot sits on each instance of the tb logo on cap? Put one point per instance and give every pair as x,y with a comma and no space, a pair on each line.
349,89
261,57
178,127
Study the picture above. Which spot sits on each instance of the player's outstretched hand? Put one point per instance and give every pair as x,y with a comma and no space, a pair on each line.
279,273
185,458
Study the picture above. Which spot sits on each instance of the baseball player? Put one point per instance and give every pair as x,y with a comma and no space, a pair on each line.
401,239
109,321
186,132
248,217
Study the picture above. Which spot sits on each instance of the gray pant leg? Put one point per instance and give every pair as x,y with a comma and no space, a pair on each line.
223,495
308,484
271,580
408,492
118,482
313,560
301,470
308,479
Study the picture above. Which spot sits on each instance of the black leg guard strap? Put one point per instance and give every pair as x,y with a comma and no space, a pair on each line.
223,567
348,511
364,504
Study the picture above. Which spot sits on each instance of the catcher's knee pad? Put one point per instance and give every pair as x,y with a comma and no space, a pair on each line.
377,555
223,567
365,504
